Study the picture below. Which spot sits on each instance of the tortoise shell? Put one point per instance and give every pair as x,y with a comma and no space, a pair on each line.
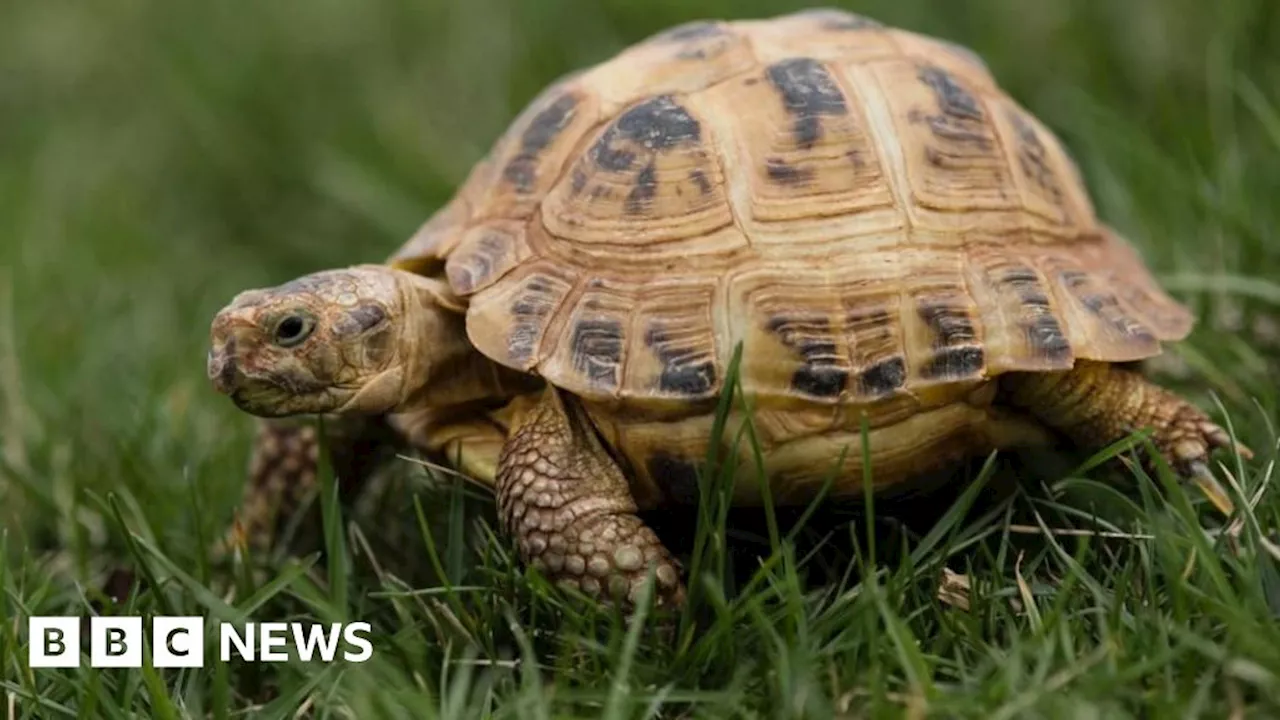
861,206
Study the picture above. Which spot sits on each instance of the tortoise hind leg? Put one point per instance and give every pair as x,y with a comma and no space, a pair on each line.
565,501
1096,404
283,477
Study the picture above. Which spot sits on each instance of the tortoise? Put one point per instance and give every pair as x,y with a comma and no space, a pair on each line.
883,232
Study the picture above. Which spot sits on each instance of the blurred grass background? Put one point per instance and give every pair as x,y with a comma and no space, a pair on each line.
158,156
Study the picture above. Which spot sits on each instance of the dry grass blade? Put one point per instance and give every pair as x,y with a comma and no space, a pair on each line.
1234,698
447,471
1272,548
305,708
954,589
1079,532
1190,567
1028,600
917,707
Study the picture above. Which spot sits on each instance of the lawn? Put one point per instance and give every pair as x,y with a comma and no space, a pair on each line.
157,157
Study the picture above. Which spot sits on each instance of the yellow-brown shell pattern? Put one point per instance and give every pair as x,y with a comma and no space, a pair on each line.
861,206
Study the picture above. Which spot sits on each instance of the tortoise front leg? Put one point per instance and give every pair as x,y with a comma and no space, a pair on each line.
1096,404
283,466
569,508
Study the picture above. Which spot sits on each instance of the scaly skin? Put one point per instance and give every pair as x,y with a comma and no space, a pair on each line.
570,509
1096,404
283,475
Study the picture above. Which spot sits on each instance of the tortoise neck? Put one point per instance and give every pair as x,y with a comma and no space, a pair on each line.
443,369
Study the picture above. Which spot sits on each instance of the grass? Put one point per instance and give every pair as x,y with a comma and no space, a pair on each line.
157,157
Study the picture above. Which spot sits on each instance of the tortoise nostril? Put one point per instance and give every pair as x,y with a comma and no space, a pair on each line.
222,366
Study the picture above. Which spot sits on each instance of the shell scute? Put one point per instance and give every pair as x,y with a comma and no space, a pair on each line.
1023,328
530,157
806,151
1098,314
593,344
946,327
824,368
687,362
674,355
1047,179
821,33
954,162
822,339
836,20
509,321
679,60
951,56
649,181
485,253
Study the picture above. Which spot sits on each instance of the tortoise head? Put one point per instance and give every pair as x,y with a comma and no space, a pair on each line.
337,341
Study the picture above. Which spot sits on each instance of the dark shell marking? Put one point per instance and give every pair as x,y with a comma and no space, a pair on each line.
1105,306
522,170
654,126
530,312
953,99
642,192
808,92
657,124
823,374
956,354
579,180
470,271
697,40
956,363
882,379
1043,333
833,19
597,350
686,371
875,348
950,324
1033,158
699,178
961,119
780,172
695,30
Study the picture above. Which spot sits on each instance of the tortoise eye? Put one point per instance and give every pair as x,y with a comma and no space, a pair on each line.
293,329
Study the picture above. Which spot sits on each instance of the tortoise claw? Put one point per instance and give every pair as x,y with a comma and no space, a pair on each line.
1212,489
1219,439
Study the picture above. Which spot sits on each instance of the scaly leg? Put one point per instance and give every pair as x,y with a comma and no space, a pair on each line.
283,476
1096,404
569,508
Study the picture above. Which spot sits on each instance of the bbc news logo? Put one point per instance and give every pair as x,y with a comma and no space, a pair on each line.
178,642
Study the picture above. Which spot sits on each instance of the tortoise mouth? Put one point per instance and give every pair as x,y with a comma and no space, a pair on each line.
266,398
242,401
268,394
